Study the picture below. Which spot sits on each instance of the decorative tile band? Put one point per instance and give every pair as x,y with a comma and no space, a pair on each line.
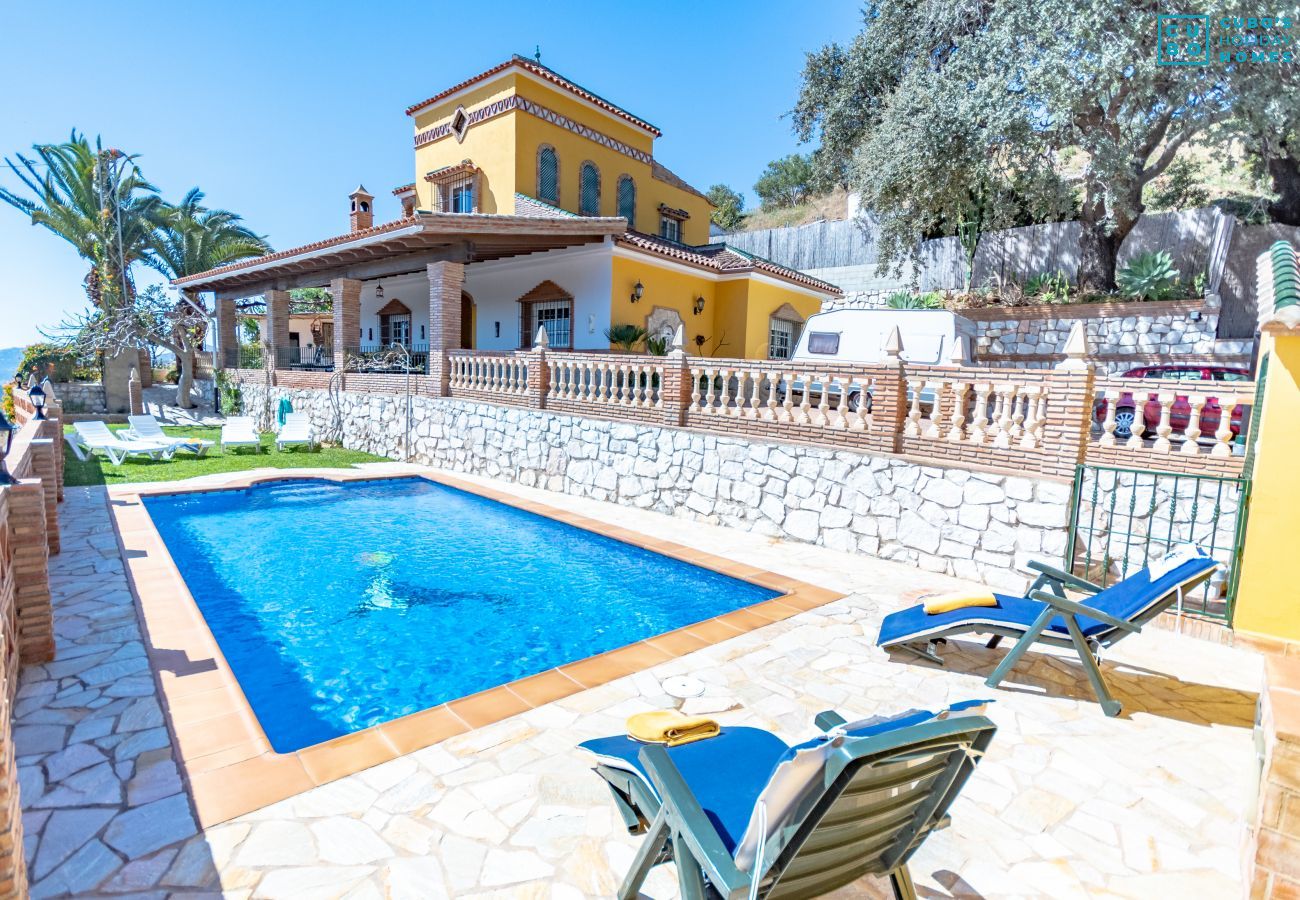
515,102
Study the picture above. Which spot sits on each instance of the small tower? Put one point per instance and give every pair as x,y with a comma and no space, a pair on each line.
363,204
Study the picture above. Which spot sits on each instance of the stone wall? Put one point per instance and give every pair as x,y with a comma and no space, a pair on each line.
971,524
81,396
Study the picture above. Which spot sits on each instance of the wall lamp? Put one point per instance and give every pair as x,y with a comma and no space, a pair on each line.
6,441
699,305
36,394
379,291
638,290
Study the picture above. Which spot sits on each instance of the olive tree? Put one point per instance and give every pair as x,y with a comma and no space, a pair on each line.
933,105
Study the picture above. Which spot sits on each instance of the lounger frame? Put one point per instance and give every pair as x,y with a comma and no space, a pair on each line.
1049,588
883,795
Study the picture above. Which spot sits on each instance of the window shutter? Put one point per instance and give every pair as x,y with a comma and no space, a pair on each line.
627,200
589,193
548,176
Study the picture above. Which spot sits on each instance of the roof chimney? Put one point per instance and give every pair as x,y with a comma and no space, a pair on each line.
363,204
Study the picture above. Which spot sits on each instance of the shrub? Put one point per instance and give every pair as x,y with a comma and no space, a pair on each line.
1052,287
56,362
625,336
908,300
8,401
229,397
1149,276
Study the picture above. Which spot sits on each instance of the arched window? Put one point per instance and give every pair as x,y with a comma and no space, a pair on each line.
589,190
548,176
627,200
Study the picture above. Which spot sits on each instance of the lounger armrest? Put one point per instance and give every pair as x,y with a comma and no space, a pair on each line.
1064,577
828,719
687,818
1079,609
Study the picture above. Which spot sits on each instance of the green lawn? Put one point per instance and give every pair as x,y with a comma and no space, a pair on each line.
98,470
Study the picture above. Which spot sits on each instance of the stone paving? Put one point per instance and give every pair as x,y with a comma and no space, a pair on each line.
1068,803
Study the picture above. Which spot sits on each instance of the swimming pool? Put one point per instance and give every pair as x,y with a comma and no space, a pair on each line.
344,605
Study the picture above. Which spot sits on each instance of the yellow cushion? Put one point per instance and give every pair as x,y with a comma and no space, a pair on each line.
668,726
942,603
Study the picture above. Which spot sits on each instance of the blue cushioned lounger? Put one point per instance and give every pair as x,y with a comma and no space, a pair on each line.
744,815
1045,614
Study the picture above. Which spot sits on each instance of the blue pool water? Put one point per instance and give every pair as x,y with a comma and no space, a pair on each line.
340,606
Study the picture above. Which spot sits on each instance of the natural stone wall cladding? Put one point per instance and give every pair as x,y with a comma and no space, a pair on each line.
969,524
77,396
1167,333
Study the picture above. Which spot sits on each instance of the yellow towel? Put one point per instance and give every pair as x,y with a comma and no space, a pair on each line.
942,603
668,726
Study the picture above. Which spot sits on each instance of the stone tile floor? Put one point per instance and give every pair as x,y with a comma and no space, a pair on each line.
1068,803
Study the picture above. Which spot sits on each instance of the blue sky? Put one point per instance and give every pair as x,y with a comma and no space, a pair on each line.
277,109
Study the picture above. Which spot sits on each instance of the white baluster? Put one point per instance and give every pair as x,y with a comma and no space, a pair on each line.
980,417
932,431
1164,429
1192,433
1223,436
1031,439
1006,396
957,433
912,427
696,375
755,402
1017,413
1108,424
773,378
805,404
1139,422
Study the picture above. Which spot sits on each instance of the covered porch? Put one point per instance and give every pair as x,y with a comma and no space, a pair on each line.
398,291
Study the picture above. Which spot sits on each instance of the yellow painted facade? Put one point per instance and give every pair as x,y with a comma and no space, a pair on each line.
504,147
1268,601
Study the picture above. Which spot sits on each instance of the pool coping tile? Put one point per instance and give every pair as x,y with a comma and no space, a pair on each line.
227,761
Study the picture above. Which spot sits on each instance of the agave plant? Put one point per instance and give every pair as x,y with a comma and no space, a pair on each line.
625,336
1149,276
1053,287
908,300
657,346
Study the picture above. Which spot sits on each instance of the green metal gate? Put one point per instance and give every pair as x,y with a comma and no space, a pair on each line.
1121,519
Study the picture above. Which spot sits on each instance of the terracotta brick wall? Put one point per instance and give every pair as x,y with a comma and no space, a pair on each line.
13,870
1273,849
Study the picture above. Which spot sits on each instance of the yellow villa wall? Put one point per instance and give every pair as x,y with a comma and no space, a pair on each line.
1268,601
505,149
490,144
736,310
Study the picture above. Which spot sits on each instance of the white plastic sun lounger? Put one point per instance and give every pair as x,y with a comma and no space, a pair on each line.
146,428
296,430
238,431
88,437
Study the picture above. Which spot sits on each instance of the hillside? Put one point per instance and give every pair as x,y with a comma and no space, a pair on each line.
10,357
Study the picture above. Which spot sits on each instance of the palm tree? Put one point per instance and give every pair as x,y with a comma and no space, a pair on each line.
625,336
189,239
96,200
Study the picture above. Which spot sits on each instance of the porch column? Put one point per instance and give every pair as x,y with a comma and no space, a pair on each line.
276,338
446,281
227,342
347,318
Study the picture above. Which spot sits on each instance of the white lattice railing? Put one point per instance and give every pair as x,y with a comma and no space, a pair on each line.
601,382
506,375
1001,414
1187,420
772,394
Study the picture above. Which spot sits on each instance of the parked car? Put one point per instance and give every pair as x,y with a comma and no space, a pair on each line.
929,337
1181,411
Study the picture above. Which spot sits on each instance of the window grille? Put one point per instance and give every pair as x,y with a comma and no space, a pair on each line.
781,337
556,315
670,229
548,176
589,190
627,200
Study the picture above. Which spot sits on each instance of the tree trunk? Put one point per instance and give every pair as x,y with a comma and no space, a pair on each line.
1098,251
1104,224
1285,172
185,383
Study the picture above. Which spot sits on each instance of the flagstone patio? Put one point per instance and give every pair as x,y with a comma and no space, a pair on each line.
1068,803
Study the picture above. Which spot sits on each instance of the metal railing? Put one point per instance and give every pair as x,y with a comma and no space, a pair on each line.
248,356
310,358
1123,519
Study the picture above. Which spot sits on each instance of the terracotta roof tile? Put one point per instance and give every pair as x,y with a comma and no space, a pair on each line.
722,258
543,72
403,189
660,172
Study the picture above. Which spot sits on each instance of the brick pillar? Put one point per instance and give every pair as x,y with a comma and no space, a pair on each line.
227,338
446,281
44,451
276,337
145,369
31,555
539,372
13,870
676,388
347,318
1070,390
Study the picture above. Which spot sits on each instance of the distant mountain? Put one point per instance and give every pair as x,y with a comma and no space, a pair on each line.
10,357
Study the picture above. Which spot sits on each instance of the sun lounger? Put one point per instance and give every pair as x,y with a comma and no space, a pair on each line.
238,431
146,428
1046,615
87,437
751,817
296,430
